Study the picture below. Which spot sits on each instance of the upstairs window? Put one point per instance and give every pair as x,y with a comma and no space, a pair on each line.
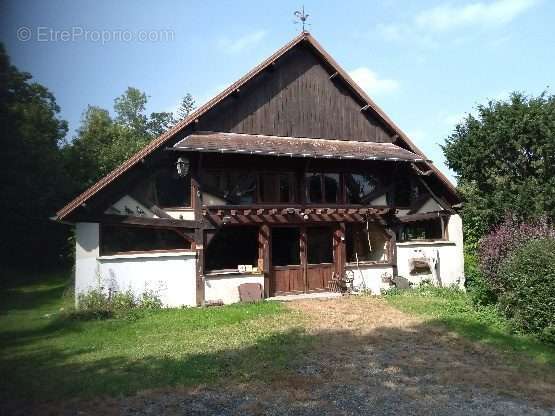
229,188
359,188
172,190
322,188
276,187
117,239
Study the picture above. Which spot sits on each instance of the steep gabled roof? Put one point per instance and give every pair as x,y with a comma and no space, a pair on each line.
181,125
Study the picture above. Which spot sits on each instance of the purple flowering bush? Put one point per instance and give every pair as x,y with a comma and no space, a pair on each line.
516,270
502,241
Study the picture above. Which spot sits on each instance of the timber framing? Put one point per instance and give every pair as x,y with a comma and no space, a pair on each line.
337,73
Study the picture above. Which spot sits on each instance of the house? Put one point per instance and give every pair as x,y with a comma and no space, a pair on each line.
292,178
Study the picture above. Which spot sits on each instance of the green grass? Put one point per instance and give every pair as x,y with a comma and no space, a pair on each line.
45,355
454,310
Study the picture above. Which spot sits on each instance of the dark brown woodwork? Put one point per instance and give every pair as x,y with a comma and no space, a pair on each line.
199,245
297,99
318,276
287,280
144,221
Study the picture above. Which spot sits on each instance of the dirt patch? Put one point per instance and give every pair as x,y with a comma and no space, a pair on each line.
366,358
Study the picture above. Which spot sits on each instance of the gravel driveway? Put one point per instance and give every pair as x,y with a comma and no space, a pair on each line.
369,359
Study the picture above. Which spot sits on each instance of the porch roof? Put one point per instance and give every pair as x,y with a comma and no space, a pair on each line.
257,144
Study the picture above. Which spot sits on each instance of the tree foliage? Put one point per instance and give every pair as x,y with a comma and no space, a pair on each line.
186,107
529,300
33,183
103,142
41,171
504,158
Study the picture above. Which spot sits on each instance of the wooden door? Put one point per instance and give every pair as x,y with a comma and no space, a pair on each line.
287,270
319,258
301,259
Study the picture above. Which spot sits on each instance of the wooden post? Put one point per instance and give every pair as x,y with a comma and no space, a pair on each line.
199,244
392,250
340,250
264,256
304,256
196,202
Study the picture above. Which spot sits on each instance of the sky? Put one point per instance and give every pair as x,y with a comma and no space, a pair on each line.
425,63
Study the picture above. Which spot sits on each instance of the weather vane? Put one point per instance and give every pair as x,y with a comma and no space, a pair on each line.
302,18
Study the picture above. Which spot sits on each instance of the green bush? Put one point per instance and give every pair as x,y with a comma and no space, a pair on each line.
530,299
96,304
479,290
149,300
123,301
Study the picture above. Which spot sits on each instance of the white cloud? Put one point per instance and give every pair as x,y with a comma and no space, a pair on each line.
242,43
426,25
448,17
372,83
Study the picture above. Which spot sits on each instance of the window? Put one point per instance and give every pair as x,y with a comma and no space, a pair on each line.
322,188
365,244
171,189
402,193
421,230
285,246
359,187
231,247
275,187
320,245
233,188
121,239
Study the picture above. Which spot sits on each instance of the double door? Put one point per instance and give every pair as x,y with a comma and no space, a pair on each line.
302,259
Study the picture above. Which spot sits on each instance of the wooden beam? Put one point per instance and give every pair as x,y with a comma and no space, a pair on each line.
146,222
199,244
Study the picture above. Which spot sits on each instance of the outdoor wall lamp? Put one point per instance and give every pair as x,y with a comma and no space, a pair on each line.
182,166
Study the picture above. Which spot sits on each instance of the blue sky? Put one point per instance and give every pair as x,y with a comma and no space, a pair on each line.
426,63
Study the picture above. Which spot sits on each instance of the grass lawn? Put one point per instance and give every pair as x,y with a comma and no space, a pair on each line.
454,310
45,355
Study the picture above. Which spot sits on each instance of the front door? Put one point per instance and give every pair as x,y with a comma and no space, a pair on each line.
301,259
319,258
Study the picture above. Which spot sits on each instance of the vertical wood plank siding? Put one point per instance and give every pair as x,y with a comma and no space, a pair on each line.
296,99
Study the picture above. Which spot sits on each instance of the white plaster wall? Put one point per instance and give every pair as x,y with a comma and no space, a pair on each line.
184,214
225,288
132,204
171,275
86,253
450,267
369,277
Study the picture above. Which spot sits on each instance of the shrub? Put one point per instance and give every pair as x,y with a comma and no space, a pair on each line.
96,304
479,290
501,242
529,276
123,301
150,300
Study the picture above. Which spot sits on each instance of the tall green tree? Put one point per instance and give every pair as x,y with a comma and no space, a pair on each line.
186,107
33,183
104,142
504,158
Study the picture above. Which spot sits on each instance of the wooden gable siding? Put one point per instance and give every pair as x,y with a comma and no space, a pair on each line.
296,98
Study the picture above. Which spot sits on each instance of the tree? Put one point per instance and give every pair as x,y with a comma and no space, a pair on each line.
186,107
103,142
33,183
504,158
